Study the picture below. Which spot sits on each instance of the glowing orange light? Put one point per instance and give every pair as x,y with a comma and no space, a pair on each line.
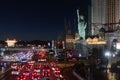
95,41
11,43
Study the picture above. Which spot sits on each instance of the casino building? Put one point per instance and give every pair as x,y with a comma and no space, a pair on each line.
104,13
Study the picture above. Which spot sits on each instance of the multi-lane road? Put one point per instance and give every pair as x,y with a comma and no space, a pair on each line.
32,71
16,69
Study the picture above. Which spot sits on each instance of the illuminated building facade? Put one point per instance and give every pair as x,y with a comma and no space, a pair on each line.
70,39
105,13
113,12
11,43
98,12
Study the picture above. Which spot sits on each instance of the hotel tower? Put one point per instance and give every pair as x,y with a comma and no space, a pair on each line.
105,13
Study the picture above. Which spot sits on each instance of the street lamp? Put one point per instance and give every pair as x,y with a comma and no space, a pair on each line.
108,55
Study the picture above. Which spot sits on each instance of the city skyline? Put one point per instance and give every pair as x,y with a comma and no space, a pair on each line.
37,20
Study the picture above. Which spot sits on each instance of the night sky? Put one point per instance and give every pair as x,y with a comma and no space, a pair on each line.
37,19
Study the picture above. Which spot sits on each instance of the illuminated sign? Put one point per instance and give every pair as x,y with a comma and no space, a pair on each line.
118,66
70,40
11,43
95,41
118,45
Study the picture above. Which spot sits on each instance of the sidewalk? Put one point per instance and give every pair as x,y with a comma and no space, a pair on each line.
75,74
3,70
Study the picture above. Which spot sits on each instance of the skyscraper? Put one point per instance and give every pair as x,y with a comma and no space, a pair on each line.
112,14
104,13
98,12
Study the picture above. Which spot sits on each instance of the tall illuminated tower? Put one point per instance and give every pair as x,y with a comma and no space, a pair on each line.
104,13
98,12
112,14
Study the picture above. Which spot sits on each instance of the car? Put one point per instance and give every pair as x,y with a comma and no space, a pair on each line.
54,68
29,67
26,73
31,62
14,65
37,68
53,64
15,72
21,77
46,73
46,70
24,60
36,76
57,73
47,78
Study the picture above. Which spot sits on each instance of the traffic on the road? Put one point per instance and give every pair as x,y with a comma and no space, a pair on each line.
32,70
29,65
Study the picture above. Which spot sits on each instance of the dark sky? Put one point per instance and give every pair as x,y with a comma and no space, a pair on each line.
37,19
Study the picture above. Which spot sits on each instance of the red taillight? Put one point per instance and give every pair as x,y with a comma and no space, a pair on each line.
59,71
18,78
24,79
43,74
21,76
48,74
48,70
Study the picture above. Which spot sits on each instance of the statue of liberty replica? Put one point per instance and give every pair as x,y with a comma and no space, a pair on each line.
80,44
81,25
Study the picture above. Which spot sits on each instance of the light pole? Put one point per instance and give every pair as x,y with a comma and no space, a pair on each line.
64,48
107,55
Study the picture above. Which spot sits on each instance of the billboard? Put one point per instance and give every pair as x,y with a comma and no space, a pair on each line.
118,45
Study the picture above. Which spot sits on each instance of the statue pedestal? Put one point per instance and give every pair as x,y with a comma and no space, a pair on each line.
81,48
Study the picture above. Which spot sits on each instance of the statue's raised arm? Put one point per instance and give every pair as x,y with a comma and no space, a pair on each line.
78,15
81,25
